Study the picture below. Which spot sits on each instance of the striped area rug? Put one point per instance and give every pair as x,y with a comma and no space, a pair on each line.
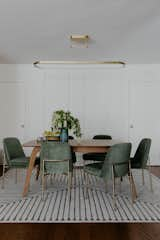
97,207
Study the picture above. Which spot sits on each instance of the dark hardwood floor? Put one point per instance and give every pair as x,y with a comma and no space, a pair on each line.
81,231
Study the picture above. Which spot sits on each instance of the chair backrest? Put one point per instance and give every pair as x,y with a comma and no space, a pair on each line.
12,149
118,156
57,151
142,152
102,137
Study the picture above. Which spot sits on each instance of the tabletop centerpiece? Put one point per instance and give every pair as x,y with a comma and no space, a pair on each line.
64,122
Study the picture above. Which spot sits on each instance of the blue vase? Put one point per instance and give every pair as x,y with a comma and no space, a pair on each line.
64,135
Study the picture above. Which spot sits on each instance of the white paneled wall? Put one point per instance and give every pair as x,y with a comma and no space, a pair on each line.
145,113
106,103
12,109
121,102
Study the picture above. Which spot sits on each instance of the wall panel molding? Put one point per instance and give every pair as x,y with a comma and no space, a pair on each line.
99,97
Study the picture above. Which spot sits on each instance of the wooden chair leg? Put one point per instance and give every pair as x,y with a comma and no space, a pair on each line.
132,184
120,184
150,179
113,188
69,184
51,180
74,178
84,177
3,175
131,188
86,184
143,176
43,186
43,181
16,175
134,187
150,175
106,185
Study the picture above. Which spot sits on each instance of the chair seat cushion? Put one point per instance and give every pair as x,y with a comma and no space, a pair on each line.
57,167
94,168
94,156
21,162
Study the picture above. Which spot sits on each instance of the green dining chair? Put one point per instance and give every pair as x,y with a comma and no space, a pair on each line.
97,156
115,165
141,158
56,158
14,156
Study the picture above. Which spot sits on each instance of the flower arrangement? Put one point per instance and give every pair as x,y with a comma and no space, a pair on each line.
62,119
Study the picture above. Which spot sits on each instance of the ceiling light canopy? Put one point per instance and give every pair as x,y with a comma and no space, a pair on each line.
78,41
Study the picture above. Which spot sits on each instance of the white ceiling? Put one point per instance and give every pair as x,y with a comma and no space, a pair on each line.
127,30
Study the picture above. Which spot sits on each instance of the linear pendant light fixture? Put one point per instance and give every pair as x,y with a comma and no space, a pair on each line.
78,62
80,40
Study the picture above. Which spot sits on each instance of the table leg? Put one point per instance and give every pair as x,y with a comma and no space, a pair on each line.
29,170
134,187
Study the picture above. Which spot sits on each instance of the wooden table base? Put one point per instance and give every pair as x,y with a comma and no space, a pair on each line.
30,168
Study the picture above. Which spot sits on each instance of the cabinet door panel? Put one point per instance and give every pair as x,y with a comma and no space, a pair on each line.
106,107
11,110
145,114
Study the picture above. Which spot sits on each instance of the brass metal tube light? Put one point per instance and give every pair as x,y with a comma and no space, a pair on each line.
79,62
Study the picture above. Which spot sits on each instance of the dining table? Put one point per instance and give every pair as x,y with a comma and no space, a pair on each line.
80,145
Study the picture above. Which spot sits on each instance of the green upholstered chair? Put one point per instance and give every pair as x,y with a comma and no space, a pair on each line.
14,156
96,156
56,158
141,158
115,165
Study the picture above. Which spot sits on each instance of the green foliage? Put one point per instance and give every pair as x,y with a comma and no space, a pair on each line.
62,119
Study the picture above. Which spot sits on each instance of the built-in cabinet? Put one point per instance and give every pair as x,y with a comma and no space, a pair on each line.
121,102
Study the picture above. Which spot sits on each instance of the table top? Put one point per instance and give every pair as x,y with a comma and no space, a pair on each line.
79,143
